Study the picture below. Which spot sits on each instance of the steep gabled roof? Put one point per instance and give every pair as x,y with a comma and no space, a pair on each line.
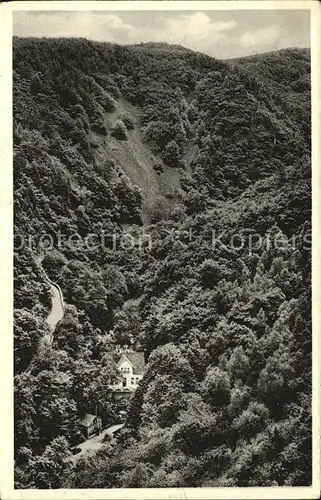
121,358
138,362
87,420
136,359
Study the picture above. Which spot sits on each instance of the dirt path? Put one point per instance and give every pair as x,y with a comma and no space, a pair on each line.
95,443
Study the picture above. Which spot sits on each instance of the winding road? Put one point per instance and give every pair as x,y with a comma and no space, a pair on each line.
57,301
57,305
56,314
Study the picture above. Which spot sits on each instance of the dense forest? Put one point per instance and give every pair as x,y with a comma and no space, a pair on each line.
158,148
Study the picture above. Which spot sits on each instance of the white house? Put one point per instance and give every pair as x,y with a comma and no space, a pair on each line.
131,367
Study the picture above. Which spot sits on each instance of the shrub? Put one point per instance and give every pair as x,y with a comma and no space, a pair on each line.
160,210
209,273
94,142
158,166
171,154
128,120
108,102
106,439
119,131
99,126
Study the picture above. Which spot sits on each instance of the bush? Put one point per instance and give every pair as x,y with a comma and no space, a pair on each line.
99,126
160,210
119,131
128,120
106,439
94,142
209,273
108,102
171,154
158,166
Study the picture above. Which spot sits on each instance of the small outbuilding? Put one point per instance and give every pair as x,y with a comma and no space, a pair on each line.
91,424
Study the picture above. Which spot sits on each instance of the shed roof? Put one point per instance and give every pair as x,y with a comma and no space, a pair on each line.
138,362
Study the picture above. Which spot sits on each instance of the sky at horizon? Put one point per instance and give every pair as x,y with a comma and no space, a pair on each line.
221,34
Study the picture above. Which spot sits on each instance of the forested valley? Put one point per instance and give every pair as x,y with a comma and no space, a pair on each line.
163,146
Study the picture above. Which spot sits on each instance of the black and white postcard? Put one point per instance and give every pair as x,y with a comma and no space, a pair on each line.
158,161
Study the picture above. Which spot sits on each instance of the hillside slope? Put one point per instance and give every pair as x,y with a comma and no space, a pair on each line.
165,181
138,162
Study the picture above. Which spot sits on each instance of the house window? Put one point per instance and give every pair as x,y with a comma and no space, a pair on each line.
137,380
133,381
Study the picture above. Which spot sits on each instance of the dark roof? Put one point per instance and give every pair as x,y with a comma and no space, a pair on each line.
137,360
87,420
